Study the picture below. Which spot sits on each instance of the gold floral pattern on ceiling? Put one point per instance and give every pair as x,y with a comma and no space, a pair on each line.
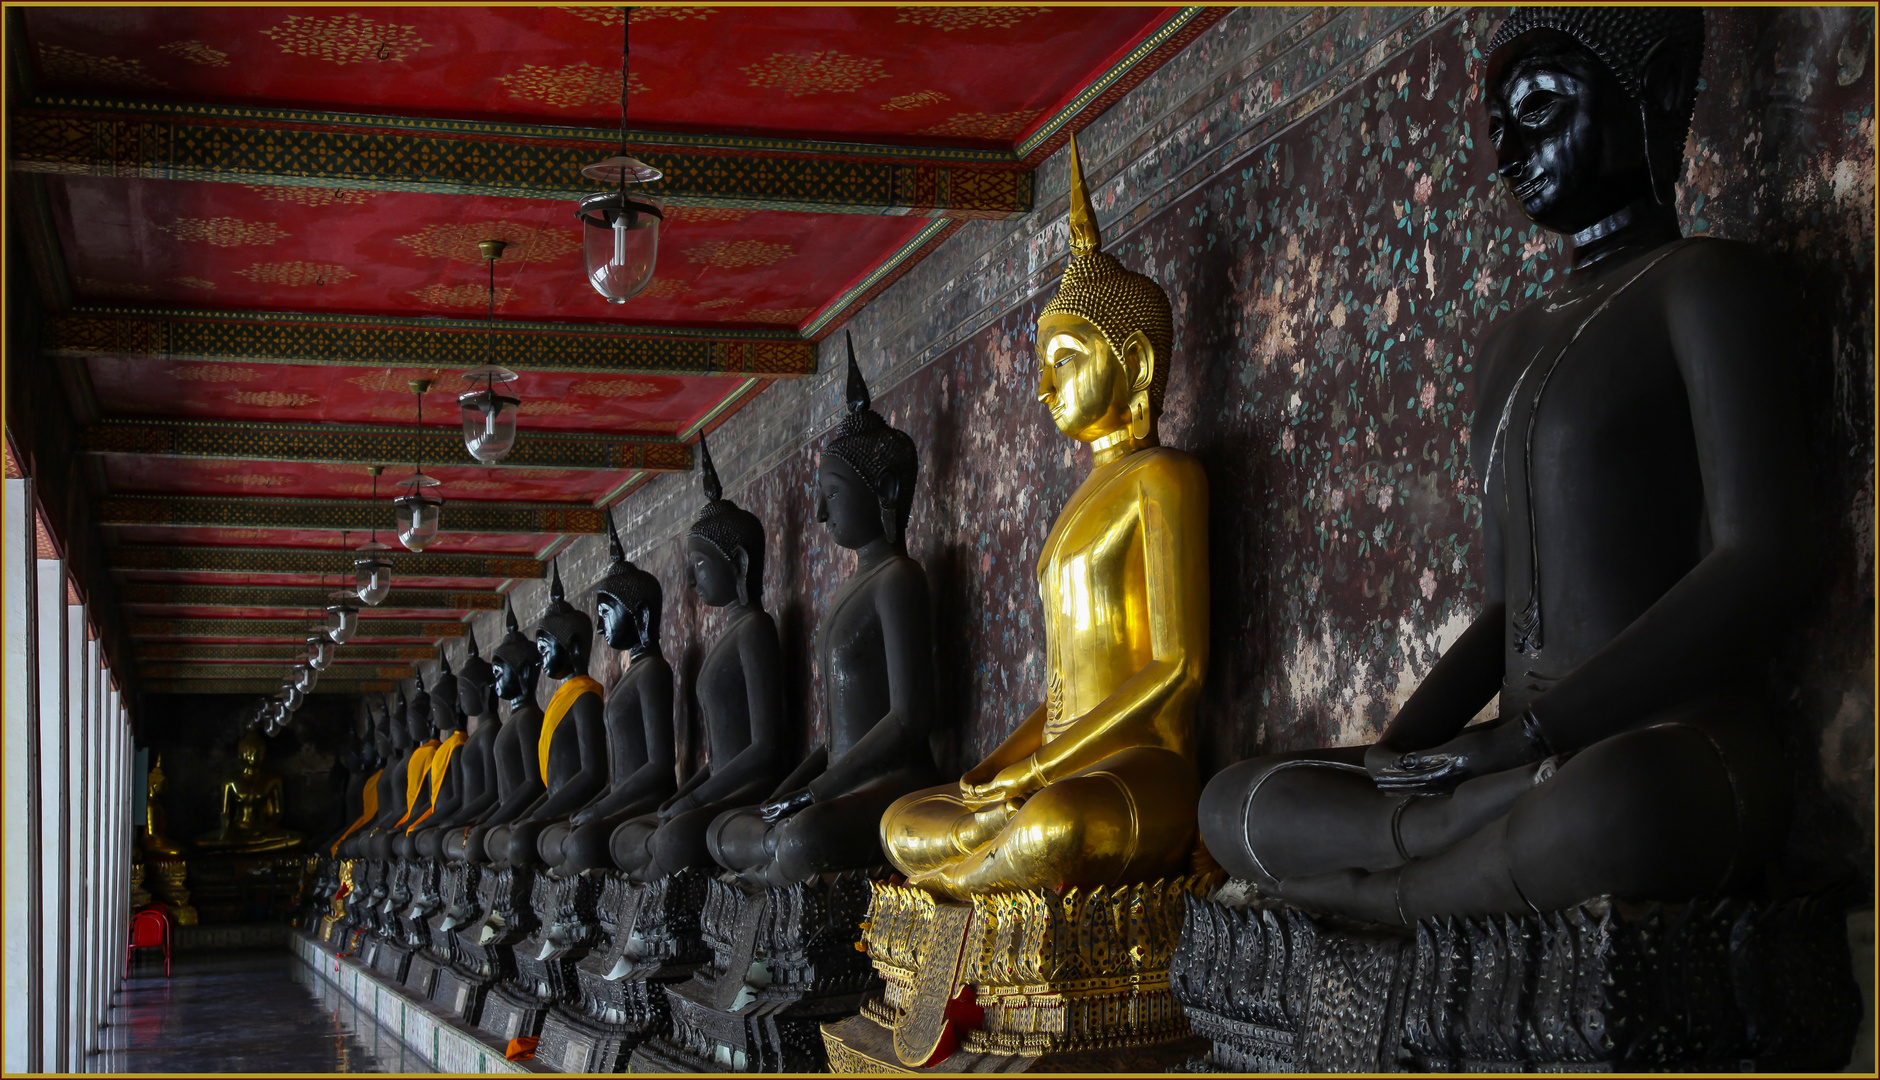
311,196
272,399
823,72
253,480
458,241
978,125
702,214
569,87
346,39
666,288
732,254
196,52
238,534
554,408
214,373
61,64
99,287
949,19
192,282
613,388
610,16
920,99
721,302
398,382
459,296
792,315
295,273
225,232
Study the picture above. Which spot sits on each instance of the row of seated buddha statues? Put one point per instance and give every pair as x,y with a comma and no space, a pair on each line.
1583,880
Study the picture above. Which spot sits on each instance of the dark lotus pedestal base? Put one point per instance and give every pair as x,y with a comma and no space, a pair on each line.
860,1044
421,975
509,1013
784,962
647,939
1716,985
461,993
391,962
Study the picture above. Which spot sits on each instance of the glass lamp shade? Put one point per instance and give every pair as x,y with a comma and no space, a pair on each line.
622,243
305,678
417,513
319,651
342,619
291,697
489,418
372,575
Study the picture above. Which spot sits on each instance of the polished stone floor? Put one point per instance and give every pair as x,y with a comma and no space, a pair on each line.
242,1012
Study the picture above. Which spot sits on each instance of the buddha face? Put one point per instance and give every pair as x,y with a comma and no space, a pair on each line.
1084,383
470,696
418,718
557,658
846,504
709,573
1569,142
513,680
618,627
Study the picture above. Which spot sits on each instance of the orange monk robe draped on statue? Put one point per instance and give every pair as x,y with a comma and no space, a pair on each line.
371,795
415,774
440,764
558,707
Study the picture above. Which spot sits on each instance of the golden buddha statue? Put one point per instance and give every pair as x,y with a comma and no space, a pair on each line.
150,838
1098,786
251,807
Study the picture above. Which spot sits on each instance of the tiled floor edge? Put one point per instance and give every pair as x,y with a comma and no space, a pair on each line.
449,1040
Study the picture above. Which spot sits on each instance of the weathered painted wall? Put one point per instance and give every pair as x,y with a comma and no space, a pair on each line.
1309,187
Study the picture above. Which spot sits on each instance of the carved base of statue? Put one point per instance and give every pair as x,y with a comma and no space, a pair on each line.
458,907
508,920
322,882
336,925
423,881
566,930
648,940
784,962
139,895
461,988
171,876
1716,985
1021,981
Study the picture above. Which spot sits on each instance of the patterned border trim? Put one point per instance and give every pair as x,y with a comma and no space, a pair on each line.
252,654
1105,90
292,628
363,341
351,515
234,560
337,673
374,444
887,273
253,596
268,686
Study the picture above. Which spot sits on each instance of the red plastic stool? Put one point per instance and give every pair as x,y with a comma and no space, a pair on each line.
150,929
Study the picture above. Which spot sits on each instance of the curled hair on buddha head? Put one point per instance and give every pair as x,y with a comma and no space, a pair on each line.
1116,300
444,694
563,621
515,650
884,457
1628,41
476,670
730,529
631,587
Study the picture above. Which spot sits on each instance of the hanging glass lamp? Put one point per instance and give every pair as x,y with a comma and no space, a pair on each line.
417,511
342,617
319,651
305,678
621,231
291,697
372,575
489,418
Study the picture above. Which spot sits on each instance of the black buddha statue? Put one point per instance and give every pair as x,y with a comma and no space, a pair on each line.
476,764
638,719
515,669
377,790
396,786
740,693
419,789
874,651
571,750
1638,438
446,769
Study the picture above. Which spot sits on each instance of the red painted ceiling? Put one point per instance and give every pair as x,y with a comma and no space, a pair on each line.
137,474
952,75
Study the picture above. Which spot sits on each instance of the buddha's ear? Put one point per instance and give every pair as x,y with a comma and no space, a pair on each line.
889,497
744,573
1139,361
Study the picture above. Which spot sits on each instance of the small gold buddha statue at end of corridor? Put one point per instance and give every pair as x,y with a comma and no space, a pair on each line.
251,807
151,839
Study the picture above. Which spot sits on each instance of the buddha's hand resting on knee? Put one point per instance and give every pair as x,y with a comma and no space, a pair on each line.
1012,782
581,817
1494,747
778,809
675,806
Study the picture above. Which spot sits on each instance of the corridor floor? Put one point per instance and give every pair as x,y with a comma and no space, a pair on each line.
242,1012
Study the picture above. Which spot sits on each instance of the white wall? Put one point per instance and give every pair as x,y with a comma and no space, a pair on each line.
21,987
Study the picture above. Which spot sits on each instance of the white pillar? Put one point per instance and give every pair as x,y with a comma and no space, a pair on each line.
55,710
76,760
24,1024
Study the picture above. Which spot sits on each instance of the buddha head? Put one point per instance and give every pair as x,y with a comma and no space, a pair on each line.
1104,339
627,602
724,558
252,749
516,665
564,634
474,683
444,713
153,785
399,721
418,710
1588,108
865,484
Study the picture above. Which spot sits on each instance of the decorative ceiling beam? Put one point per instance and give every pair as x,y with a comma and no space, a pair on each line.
254,655
349,515
378,444
264,686
253,596
291,628
271,337
235,560
297,148
351,673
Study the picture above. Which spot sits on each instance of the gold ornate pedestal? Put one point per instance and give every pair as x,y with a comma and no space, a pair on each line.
337,909
1071,980
171,875
139,895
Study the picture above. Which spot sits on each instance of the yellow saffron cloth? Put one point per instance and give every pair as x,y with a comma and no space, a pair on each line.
414,778
371,794
440,764
558,707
